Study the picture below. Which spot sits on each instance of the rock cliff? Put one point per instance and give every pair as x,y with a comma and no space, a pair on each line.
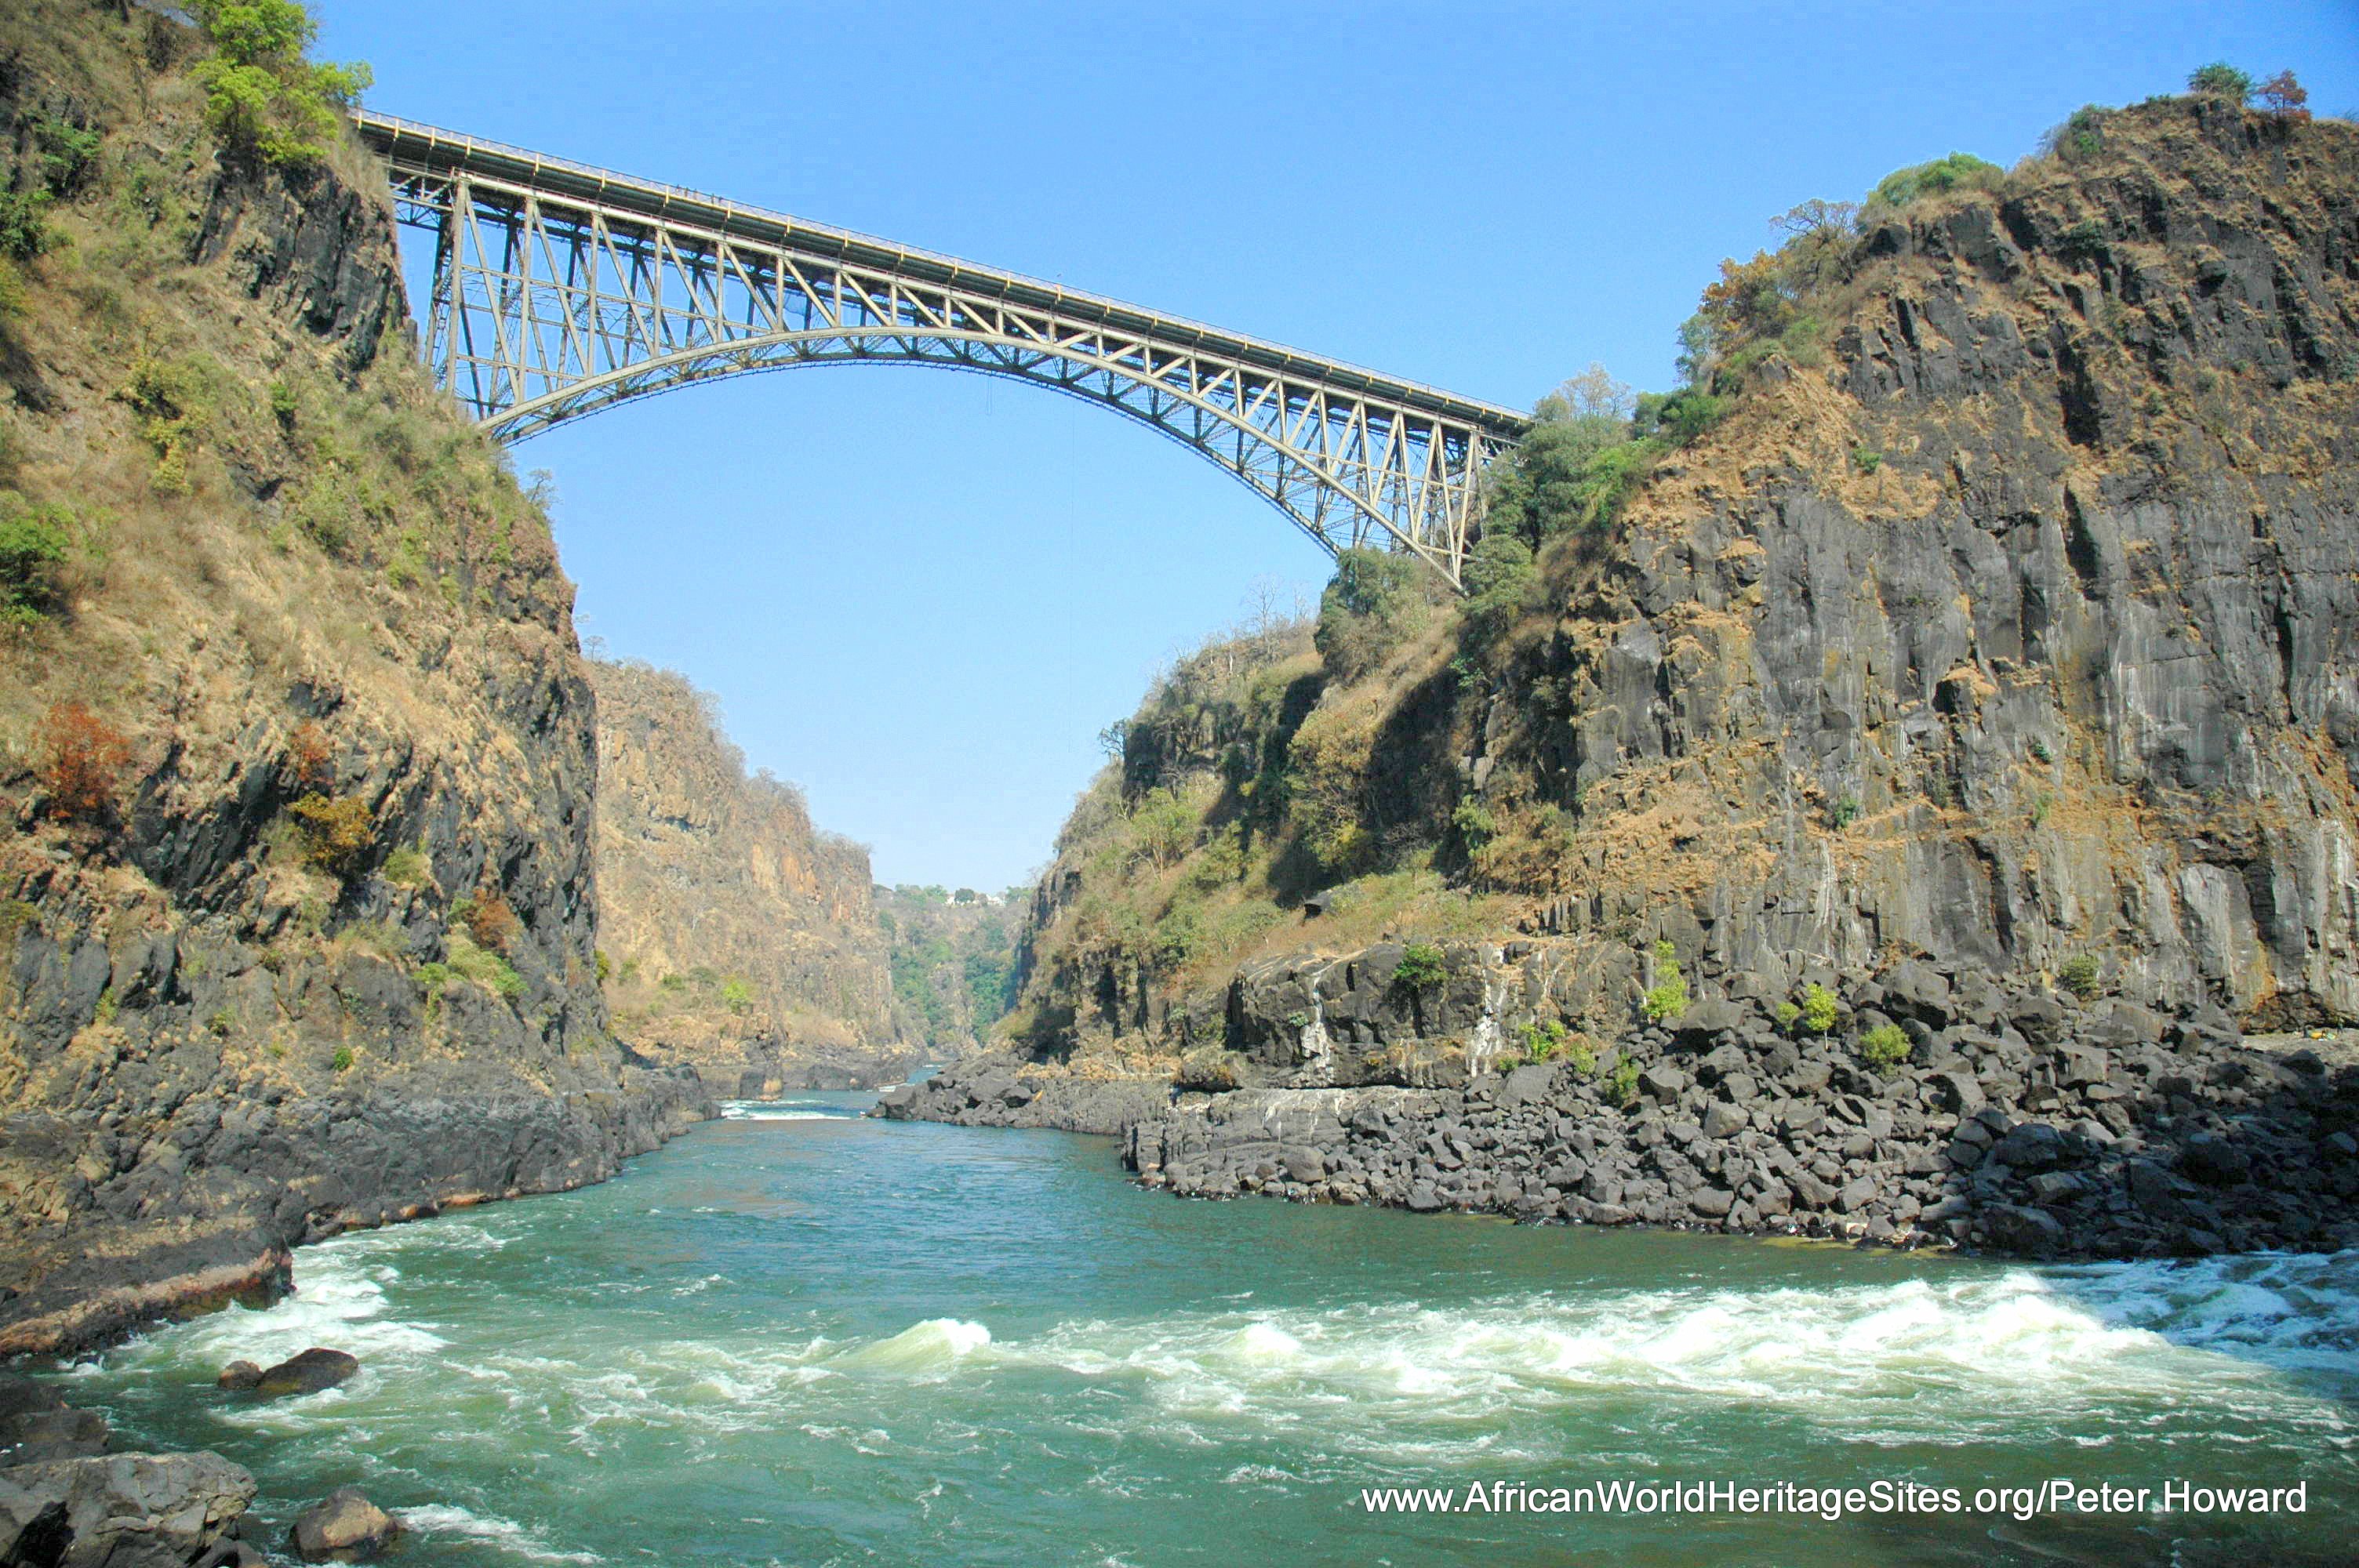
1982,611
737,940
297,751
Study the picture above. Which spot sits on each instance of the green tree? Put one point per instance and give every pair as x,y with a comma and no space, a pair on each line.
2220,80
1364,610
1164,827
33,541
1422,968
1668,998
262,96
1958,171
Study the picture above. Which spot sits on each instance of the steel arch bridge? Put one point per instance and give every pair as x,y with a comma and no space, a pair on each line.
561,289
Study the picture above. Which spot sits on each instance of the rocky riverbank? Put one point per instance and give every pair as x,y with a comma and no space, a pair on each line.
65,1498
998,1089
2020,1119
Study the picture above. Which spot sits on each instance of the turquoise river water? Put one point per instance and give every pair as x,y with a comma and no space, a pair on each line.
796,1336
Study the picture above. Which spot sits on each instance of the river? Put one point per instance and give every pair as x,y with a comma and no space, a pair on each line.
798,1336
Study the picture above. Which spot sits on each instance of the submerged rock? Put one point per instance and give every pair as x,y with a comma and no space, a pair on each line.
309,1373
238,1375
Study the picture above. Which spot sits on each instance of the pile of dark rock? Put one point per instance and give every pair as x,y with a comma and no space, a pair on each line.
999,1090
2022,1120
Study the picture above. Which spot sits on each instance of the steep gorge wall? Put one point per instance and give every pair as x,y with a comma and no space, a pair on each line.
2010,625
307,942
738,940
2066,668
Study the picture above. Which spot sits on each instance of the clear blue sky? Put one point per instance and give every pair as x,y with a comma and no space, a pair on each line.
922,594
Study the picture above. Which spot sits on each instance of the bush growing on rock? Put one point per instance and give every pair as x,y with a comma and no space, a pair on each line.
1819,1009
1958,171
1420,968
2078,975
33,541
262,97
2220,80
491,921
334,833
1886,1046
82,758
408,867
469,961
1621,1084
1668,999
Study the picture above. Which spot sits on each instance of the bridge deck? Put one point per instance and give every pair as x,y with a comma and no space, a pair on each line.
427,146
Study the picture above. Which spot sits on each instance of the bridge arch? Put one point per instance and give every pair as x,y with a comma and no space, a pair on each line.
559,289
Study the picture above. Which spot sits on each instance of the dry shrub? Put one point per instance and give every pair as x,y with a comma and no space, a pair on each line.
337,831
308,755
82,758
493,923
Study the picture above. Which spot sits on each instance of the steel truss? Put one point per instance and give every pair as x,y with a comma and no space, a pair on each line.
561,289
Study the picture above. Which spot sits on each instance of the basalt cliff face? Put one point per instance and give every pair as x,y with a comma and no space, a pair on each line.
297,751
737,940
1997,640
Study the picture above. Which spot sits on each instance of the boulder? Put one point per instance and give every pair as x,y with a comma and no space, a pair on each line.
309,1373
2020,1229
238,1375
2213,1159
37,1427
343,1527
1704,1021
2034,1146
1663,1082
1961,1094
1912,989
121,1510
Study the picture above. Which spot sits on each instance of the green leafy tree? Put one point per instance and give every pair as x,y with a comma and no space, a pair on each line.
1364,610
262,96
1422,968
1164,828
33,543
2220,80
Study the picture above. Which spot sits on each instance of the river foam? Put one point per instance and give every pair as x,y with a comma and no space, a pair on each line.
787,1110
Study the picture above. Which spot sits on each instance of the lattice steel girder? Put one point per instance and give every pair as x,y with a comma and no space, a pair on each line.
561,289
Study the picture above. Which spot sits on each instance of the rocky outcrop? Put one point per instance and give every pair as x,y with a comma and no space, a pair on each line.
738,941
996,1089
297,761
2017,1120
2003,617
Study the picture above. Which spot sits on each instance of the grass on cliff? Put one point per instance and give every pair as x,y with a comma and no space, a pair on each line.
238,542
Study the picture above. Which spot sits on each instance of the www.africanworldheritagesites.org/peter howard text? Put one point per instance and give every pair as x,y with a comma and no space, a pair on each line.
2058,1495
